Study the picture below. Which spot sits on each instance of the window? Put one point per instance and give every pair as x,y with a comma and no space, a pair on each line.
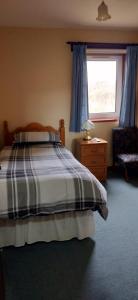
104,86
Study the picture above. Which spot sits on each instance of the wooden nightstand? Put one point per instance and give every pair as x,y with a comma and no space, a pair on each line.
93,154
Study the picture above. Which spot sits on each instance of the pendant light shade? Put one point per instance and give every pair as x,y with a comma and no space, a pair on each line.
103,14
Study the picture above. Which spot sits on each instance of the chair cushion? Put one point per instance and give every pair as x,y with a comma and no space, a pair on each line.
128,158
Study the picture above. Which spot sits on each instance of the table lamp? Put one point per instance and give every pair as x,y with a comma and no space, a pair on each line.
87,126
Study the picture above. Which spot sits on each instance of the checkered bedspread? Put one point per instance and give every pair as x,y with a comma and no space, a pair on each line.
45,179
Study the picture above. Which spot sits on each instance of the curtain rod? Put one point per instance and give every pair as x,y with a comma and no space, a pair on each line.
102,45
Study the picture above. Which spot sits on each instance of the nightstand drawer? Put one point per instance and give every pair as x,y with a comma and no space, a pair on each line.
93,160
99,172
93,155
89,150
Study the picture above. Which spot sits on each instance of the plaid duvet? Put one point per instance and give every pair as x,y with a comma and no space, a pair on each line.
46,179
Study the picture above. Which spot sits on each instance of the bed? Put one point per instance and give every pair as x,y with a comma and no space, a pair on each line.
45,193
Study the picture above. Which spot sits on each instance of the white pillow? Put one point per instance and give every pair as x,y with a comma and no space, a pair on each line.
32,137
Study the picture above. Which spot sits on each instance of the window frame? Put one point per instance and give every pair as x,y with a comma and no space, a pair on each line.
109,55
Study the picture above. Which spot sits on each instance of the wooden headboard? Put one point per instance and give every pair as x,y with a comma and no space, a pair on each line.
9,135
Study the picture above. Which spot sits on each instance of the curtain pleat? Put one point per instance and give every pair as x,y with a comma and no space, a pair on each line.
79,104
128,104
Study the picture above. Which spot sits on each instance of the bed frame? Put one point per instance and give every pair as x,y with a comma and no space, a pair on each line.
43,228
9,135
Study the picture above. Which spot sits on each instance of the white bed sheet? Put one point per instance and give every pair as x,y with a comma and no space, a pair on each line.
57,227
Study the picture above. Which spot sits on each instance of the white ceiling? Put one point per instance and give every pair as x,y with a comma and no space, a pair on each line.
67,13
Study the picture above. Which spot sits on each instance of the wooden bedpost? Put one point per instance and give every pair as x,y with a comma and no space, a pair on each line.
8,136
62,131
5,132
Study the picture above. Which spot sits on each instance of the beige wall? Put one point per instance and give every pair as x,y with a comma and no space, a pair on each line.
35,76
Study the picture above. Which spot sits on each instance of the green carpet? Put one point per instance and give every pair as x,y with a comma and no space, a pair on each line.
102,268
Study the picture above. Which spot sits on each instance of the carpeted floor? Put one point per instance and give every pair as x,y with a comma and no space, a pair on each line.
102,268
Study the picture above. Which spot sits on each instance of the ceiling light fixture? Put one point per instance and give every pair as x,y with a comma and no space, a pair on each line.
103,14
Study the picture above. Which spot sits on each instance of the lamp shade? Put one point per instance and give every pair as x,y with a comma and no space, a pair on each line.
87,125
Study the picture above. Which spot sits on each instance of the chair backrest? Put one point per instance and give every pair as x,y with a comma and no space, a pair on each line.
124,140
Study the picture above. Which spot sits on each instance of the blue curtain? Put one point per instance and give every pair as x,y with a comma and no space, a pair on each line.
128,104
79,105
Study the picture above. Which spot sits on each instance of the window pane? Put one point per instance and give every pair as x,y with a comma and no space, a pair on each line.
101,85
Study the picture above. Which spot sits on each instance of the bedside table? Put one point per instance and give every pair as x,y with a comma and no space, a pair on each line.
93,155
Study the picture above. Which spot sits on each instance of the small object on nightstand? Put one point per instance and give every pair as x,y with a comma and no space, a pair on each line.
95,139
93,155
